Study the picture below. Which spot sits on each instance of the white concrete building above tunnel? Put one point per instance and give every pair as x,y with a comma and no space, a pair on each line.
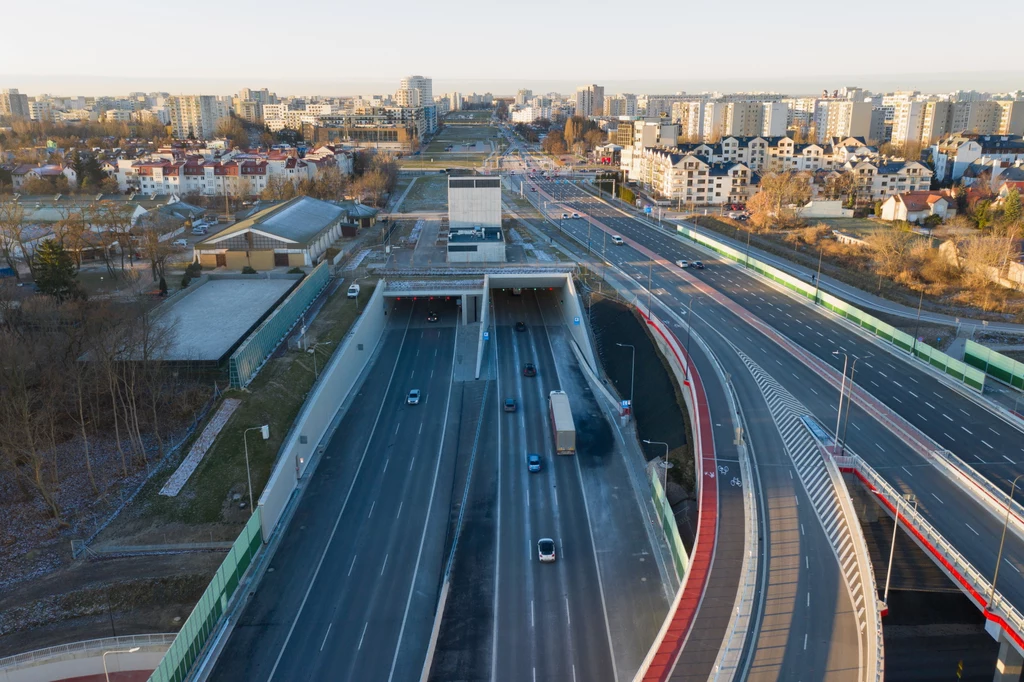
474,202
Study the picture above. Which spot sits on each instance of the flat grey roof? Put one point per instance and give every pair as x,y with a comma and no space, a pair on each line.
300,220
210,320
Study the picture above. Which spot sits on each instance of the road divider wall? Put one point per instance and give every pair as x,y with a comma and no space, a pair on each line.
190,640
668,524
315,418
994,364
485,324
957,369
572,317
249,358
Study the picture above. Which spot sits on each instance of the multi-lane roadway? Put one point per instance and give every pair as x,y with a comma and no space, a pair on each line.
988,443
351,591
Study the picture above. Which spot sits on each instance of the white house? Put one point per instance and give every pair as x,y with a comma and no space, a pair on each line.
914,207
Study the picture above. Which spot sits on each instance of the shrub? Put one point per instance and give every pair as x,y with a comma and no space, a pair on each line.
248,270
296,271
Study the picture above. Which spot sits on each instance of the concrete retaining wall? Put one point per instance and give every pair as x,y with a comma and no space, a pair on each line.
320,408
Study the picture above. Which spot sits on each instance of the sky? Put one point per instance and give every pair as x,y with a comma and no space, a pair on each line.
352,47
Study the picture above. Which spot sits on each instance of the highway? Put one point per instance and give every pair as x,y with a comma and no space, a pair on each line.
978,436
350,593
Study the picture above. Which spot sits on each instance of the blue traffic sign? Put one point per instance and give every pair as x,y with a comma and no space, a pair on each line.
576,321
487,336
647,209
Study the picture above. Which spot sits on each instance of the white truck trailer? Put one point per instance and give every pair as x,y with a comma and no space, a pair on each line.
562,427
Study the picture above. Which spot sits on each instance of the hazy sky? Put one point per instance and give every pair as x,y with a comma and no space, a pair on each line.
353,46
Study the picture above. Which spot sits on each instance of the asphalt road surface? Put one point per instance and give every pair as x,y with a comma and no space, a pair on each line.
989,444
351,592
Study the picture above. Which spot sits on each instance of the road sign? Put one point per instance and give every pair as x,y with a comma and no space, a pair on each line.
625,404
647,210
576,321
487,336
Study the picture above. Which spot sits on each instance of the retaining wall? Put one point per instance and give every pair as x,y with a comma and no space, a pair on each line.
994,364
321,407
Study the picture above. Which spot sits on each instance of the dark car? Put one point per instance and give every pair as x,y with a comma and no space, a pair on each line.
529,370
520,326
533,189
697,264
510,404
432,317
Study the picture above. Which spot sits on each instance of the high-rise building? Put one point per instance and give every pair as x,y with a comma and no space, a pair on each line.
774,119
841,118
523,96
14,104
196,116
589,100
1011,117
408,97
743,119
908,122
620,105
424,86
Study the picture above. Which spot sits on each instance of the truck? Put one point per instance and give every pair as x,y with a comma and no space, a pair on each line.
562,427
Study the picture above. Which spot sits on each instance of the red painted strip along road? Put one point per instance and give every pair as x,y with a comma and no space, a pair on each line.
695,581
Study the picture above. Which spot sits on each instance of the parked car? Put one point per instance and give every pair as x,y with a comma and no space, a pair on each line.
529,370
183,243
546,550
683,263
414,397
533,463
353,291
510,404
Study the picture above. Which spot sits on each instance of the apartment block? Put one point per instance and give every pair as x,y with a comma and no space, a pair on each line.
13,104
841,118
620,105
423,86
196,116
589,100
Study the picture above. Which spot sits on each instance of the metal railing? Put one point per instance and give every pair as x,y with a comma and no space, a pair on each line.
972,581
40,656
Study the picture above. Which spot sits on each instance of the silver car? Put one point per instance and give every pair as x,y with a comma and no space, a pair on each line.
414,397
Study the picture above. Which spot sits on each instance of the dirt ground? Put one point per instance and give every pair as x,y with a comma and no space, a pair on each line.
122,596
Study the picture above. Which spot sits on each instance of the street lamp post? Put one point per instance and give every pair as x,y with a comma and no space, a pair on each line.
917,325
665,465
817,278
1002,541
312,351
842,391
689,324
910,498
106,674
265,432
632,371
650,273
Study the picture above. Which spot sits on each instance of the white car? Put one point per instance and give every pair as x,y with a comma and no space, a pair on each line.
183,243
617,240
683,263
414,397
546,550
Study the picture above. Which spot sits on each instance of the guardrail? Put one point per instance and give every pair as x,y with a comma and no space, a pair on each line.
40,656
250,357
954,564
190,640
987,493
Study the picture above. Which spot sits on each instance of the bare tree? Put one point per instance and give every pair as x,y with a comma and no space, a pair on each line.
13,235
892,247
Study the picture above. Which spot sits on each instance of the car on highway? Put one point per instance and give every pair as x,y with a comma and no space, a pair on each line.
433,317
697,264
510,404
533,189
529,370
520,326
565,216
533,463
546,550
575,215
683,263
617,240
414,397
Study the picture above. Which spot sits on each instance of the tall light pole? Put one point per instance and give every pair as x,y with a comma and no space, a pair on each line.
849,401
917,325
842,391
1002,541
817,278
632,371
650,273
312,351
910,499
265,432
118,651
665,465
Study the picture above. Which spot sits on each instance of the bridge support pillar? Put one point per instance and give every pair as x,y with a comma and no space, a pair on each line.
1010,663
465,309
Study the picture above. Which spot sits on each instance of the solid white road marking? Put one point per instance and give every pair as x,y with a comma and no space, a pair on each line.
972,530
362,635
372,505
385,564
325,636
353,565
